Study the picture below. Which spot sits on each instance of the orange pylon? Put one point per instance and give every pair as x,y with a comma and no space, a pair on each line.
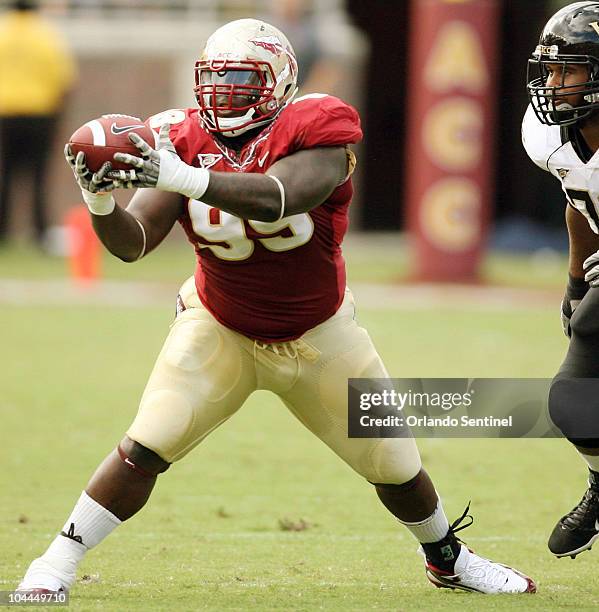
84,250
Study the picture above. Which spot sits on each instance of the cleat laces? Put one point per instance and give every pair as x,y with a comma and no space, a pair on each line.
585,510
455,526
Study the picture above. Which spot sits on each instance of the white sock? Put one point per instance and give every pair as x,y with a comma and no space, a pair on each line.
91,522
87,526
431,529
592,461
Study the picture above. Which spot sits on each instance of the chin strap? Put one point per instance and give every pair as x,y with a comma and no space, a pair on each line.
232,121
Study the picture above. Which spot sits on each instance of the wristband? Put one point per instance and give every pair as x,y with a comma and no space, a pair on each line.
100,204
282,192
144,240
577,288
175,175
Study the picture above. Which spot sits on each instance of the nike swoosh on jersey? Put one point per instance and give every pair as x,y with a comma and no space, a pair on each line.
115,129
263,159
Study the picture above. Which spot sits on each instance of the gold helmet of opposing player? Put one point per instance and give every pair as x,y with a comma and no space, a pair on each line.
245,76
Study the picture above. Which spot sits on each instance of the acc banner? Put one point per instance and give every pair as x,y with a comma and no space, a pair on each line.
452,88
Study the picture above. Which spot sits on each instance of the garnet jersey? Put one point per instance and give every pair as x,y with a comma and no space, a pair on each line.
561,151
269,281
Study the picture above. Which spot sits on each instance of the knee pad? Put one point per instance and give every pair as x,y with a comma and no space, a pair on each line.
394,461
141,459
574,408
163,423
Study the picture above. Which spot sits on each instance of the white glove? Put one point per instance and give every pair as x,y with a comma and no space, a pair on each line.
95,186
161,168
591,269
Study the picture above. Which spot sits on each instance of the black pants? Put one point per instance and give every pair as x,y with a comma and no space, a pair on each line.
579,401
25,143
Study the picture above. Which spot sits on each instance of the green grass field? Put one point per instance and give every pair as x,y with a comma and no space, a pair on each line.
377,258
211,536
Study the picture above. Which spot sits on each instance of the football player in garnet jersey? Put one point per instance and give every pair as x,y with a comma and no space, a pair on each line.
561,135
260,181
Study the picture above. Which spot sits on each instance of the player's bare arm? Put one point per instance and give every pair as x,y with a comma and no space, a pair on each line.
583,241
128,234
302,181
131,233
292,185
308,178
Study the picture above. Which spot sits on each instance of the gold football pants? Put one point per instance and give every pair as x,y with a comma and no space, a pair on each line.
205,372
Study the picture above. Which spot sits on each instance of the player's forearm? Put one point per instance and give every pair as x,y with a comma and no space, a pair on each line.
583,241
120,233
248,196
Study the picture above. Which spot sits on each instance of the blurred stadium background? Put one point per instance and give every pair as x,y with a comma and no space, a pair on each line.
221,529
136,56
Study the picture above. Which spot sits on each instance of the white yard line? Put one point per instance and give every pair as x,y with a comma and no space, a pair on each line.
368,296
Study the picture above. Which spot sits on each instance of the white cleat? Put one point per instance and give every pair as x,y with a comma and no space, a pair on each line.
41,577
474,573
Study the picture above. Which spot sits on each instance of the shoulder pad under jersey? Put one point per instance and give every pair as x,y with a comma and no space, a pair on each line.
540,141
321,120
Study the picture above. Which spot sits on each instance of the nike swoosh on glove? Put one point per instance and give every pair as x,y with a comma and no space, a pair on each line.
161,168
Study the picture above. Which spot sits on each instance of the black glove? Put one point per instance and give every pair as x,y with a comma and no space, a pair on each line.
575,290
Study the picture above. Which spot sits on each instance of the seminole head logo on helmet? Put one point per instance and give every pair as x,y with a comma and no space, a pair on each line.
246,75
270,43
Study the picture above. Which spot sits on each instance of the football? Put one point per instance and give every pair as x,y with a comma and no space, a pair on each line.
101,138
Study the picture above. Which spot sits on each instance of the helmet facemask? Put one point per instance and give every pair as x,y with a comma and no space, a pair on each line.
550,104
234,96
